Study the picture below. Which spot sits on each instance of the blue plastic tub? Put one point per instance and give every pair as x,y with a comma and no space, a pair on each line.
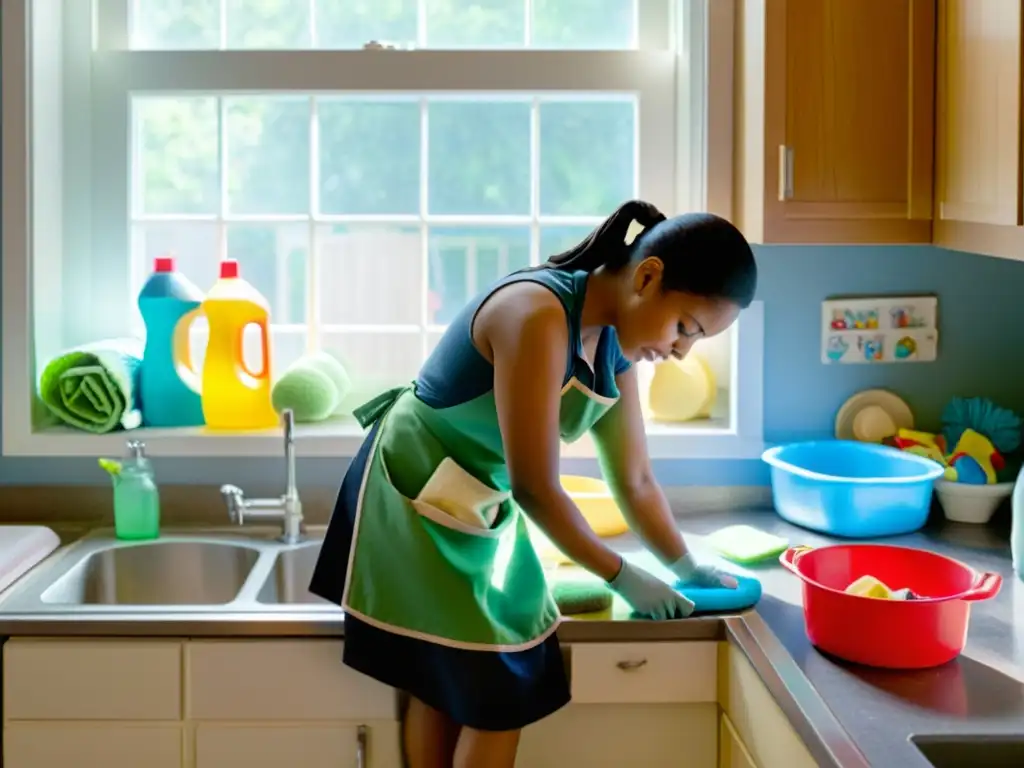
850,489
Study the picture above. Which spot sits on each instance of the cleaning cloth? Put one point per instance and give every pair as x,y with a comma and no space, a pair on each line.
722,599
94,387
746,545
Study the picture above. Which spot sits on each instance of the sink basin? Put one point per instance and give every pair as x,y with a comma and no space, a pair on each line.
288,582
157,573
971,751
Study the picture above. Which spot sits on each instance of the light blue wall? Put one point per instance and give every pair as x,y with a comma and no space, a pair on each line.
980,353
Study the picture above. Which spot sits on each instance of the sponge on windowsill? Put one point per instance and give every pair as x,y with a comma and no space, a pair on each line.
312,388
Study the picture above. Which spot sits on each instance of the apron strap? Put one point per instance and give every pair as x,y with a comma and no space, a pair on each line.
370,412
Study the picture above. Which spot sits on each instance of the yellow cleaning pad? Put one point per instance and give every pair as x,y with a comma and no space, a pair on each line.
869,586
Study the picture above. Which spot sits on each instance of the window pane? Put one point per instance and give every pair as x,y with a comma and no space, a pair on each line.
268,155
449,24
369,156
354,23
465,261
587,156
558,239
265,24
376,361
176,156
587,24
475,23
175,24
273,258
370,275
193,245
479,157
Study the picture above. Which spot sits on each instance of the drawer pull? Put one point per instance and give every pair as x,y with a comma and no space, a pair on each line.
629,666
361,747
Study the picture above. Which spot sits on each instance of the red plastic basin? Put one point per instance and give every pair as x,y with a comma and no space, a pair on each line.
894,634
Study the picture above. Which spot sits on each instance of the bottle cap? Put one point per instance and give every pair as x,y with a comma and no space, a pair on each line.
228,269
163,264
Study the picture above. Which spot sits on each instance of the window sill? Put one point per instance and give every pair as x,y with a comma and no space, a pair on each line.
341,438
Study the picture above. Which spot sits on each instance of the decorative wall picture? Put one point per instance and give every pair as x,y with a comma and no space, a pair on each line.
881,330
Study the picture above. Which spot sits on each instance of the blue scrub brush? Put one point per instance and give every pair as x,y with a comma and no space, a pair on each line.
1000,425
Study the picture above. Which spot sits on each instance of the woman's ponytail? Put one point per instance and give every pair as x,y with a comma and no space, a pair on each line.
606,245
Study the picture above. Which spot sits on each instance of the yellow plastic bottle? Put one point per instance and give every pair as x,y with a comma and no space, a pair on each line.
233,396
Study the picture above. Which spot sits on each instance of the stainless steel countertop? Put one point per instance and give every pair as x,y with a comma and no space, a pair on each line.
849,717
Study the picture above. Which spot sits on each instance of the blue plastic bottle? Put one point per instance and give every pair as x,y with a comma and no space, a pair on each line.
169,303
1017,529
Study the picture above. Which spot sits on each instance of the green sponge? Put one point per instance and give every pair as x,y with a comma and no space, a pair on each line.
312,388
574,597
329,365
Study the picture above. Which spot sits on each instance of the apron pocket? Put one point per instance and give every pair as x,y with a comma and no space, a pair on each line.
454,491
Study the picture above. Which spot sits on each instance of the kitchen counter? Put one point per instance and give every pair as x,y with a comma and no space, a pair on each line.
849,716
981,693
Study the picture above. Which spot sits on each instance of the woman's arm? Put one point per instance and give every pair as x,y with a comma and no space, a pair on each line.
522,329
622,450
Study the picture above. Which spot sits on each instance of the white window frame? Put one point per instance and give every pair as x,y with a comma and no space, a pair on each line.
54,102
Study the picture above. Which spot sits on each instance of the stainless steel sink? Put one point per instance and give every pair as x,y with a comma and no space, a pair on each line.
288,581
972,751
156,573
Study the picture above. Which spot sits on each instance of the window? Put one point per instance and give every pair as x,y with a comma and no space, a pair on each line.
371,166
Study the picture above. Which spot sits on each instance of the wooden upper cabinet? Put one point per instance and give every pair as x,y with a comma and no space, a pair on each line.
834,116
978,117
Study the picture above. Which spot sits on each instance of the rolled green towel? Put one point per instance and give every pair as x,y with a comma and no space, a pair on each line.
94,387
581,596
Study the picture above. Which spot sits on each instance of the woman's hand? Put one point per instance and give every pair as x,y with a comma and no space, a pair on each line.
690,574
648,595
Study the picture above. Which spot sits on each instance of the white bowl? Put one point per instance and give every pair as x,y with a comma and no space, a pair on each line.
966,503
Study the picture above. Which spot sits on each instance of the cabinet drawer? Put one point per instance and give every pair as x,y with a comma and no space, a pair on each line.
311,746
280,680
48,745
644,673
92,680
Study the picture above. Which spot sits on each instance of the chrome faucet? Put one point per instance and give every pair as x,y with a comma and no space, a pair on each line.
287,508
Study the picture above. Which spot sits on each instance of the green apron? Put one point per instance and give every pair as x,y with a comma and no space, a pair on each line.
423,572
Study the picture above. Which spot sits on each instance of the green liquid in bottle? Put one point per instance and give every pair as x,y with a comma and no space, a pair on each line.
136,503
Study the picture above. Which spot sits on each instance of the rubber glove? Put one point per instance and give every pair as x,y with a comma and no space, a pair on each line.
648,595
692,575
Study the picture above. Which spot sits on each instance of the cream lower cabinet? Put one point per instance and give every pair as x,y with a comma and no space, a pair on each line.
732,752
642,704
192,704
92,745
755,731
267,703
309,746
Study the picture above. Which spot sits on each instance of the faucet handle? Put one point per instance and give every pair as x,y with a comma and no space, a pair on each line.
288,421
234,500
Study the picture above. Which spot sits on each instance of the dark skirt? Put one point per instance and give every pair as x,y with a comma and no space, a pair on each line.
490,691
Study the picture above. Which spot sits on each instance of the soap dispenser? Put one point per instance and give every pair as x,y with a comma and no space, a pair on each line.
1017,526
136,498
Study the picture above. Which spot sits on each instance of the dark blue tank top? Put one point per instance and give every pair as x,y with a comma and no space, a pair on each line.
456,372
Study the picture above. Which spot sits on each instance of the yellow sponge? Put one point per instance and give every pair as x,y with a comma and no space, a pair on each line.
869,586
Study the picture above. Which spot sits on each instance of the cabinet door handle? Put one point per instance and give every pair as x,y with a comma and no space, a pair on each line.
361,746
629,666
785,173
